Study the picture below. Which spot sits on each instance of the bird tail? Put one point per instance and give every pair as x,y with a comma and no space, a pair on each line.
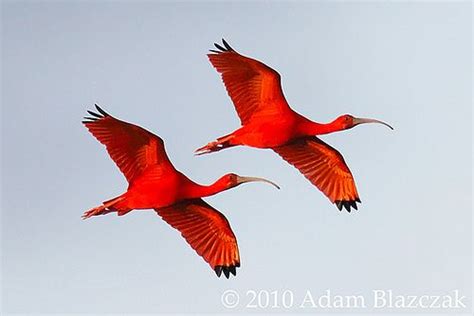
219,144
117,204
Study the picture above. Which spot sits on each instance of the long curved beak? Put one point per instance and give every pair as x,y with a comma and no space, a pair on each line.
358,121
241,179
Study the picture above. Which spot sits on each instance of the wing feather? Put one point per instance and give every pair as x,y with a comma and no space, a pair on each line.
324,167
131,147
255,88
207,231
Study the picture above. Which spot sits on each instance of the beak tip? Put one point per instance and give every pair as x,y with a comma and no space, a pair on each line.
369,120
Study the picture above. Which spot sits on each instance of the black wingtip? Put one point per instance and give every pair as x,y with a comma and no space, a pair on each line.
220,47
347,204
218,270
227,270
227,45
101,111
353,204
94,114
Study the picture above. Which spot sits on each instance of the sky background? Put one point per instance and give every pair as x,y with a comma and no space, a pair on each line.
407,63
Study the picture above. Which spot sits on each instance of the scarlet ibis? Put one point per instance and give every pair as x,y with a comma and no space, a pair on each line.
154,183
268,122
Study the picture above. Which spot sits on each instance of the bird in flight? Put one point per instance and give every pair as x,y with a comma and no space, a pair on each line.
154,183
268,122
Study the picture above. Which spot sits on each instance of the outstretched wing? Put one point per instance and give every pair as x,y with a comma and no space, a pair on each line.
325,167
131,147
207,231
255,89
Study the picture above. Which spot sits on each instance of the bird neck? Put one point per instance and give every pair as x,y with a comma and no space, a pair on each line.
199,190
310,128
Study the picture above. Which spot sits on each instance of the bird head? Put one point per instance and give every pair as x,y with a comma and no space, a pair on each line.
348,121
231,180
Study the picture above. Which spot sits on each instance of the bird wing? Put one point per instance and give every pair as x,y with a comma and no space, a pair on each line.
324,167
131,147
255,88
207,231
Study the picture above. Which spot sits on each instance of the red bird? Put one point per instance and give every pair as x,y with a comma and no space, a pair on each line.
154,183
268,122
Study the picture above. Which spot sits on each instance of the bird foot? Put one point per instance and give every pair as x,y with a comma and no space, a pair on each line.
93,212
210,147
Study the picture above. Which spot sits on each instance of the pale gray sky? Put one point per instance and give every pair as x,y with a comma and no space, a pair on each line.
408,63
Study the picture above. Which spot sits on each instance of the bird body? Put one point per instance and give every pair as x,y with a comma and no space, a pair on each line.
268,122
154,189
283,129
255,135
154,183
